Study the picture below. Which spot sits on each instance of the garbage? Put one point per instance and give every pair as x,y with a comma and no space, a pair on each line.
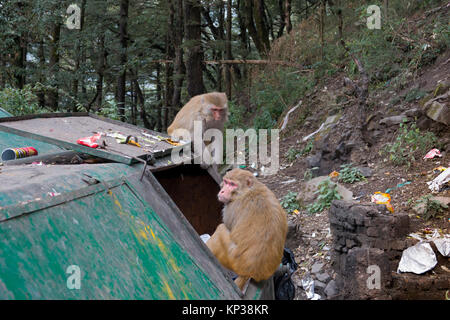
397,186
418,259
284,287
205,237
17,153
308,286
90,142
438,183
439,169
54,193
333,174
443,245
433,153
383,198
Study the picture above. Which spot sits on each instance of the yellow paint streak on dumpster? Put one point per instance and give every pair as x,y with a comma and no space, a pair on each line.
169,291
174,265
143,234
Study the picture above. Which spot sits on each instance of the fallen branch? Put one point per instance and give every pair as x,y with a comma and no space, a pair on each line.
241,61
286,118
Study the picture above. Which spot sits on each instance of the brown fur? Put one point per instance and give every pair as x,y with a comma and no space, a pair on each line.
198,108
251,239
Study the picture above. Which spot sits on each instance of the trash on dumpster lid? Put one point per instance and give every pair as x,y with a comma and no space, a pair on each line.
64,129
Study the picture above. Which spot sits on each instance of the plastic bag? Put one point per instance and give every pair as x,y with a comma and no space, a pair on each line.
90,141
383,198
284,287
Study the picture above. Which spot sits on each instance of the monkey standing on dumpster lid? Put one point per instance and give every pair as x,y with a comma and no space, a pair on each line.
211,112
250,241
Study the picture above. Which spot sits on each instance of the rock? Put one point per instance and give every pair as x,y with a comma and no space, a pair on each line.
439,112
366,171
323,277
331,289
317,267
420,208
313,161
307,194
415,112
319,285
394,120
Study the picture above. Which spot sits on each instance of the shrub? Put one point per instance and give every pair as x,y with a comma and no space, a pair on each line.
289,202
327,191
431,207
349,174
410,142
19,101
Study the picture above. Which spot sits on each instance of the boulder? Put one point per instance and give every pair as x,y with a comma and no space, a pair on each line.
439,112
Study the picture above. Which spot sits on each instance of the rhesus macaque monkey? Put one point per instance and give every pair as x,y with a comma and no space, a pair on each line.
209,108
250,241
211,111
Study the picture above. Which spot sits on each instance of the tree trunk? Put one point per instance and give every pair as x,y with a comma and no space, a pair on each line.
322,26
194,56
140,100
287,16
253,14
101,67
78,56
53,95
159,105
41,56
121,81
228,50
179,67
170,54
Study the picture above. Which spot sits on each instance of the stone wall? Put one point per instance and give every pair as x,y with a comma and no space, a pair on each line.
368,242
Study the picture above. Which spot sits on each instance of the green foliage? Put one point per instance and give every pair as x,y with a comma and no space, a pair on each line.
327,191
431,207
273,92
110,110
409,144
349,174
19,101
237,115
415,94
308,175
292,154
289,202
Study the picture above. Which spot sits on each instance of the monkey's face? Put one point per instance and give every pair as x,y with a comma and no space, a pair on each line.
229,188
218,113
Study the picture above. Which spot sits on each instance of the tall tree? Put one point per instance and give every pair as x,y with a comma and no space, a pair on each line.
254,16
179,67
78,54
53,95
123,36
228,48
194,55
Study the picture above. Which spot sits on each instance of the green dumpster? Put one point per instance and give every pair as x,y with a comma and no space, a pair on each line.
110,230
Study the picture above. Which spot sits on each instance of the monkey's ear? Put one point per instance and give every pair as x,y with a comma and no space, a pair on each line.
249,182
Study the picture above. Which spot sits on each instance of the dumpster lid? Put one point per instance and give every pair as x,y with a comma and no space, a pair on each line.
64,129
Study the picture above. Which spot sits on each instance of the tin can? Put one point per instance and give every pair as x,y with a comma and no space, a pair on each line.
17,153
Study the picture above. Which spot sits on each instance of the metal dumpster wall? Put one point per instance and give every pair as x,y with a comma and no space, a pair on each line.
195,193
116,236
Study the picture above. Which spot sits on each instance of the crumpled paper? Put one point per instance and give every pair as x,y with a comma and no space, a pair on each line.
418,259
308,286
